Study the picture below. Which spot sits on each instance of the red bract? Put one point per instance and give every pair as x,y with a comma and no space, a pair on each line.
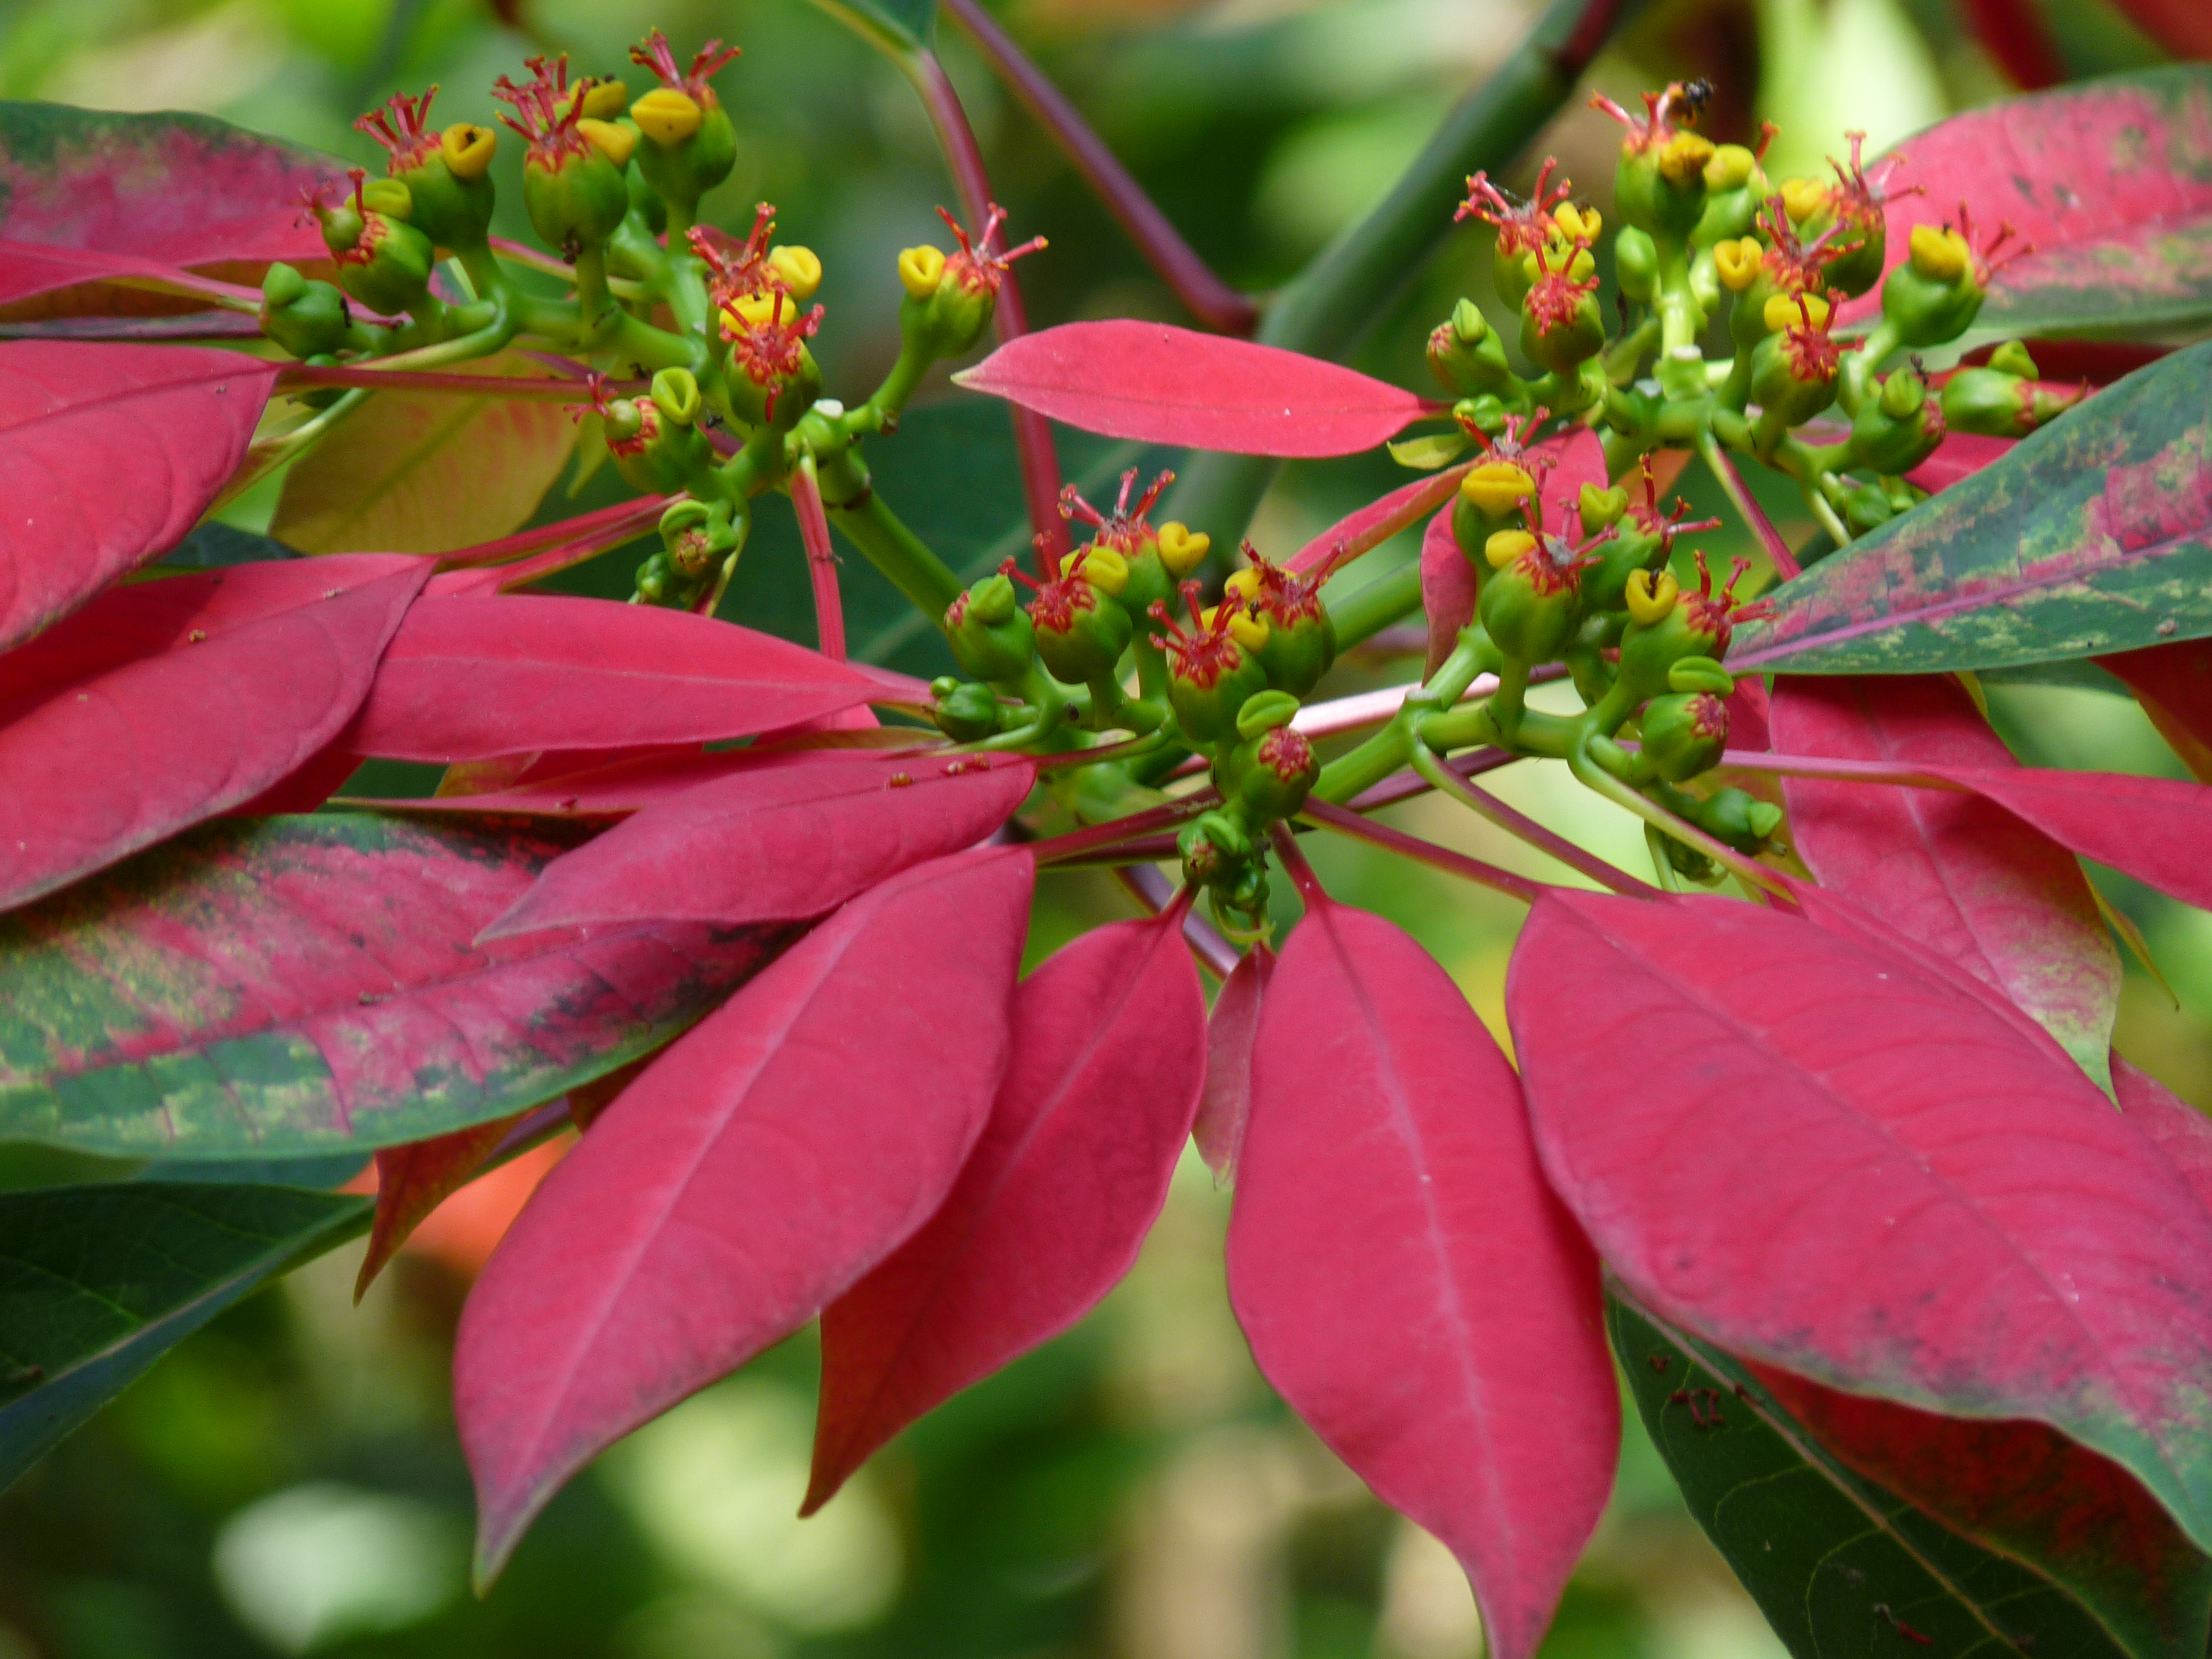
791,837
745,1181
469,677
1956,871
194,693
1108,1043
1169,386
2173,683
2182,1131
1824,1159
1406,1279
1448,587
1225,1107
414,1180
108,455
1377,522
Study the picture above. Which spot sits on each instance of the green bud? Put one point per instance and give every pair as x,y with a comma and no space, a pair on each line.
655,454
965,711
1270,773
1990,402
989,632
1079,633
1635,263
453,212
2012,358
1865,507
388,267
1531,607
1740,821
1898,431
1935,295
1683,734
1465,353
307,319
1214,849
1661,188
576,198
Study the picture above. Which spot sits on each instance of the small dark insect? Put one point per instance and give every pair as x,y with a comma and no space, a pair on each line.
1658,1363
1745,1396
1881,1611
1695,95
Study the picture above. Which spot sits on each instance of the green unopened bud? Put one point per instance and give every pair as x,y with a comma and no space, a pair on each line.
1466,354
2012,358
1683,734
989,632
1865,507
1740,821
1896,432
1270,772
576,197
656,455
307,319
1935,295
388,267
1635,263
1990,402
1531,601
1079,632
965,711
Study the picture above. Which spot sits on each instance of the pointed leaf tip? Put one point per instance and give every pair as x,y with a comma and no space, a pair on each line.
1109,1053
1159,384
1406,1278
744,1182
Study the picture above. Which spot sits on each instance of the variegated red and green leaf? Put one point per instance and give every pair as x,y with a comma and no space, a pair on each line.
132,195
108,456
1820,1157
2091,536
288,986
1955,871
163,703
2111,181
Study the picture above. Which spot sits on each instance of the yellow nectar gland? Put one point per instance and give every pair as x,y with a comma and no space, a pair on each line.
1182,548
612,141
1940,255
1244,584
1782,312
1730,166
801,269
389,196
1738,262
922,268
468,149
1650,597
1102,567
1578,224
1804,197
754,309
1506,545
603,100
1682,158
1495,487
667,115
1248,630
1561,254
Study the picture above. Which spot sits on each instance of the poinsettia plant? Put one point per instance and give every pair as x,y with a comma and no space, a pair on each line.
1812,1128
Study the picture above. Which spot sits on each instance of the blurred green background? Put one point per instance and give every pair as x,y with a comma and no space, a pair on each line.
287,1482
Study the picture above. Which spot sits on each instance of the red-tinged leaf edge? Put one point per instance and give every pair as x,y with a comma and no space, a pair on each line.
413,1180
1406,1278
1225,1107
2180,1131
1109,1057
565,1345
1159,384
2173,683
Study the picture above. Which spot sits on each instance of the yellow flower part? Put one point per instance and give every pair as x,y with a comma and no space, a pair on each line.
615,143
468,149
1682,158
1182,548
757,309
1578,224
389,196
1738,262
1730,166
668,115
606,100
801,269
1940,254
1102,567
1804,197
1556,250
1506,545
1248,630
1782,312
921,268
1650,597
1495,487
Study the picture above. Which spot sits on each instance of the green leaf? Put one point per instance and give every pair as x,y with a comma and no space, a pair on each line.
96,1283
287,987
427,473
214,544
1427,453
1842,1565
951,473
898,28
2091,536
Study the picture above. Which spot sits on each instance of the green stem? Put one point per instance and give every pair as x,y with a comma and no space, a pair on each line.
1364,614
888,545
1442,777
1350,284
1600,781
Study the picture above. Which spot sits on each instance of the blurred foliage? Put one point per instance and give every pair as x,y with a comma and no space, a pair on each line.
289,1482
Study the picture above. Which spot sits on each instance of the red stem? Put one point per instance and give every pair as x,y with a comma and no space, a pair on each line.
2012,31
1842,771
1731,480
545,389
1209,298
1032,432
1156,892
1346,822
821,560
1544,840
585,526
1295,865
1054,850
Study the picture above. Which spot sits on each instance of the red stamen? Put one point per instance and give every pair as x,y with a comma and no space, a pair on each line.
1521,226
655,55
402,128
980,266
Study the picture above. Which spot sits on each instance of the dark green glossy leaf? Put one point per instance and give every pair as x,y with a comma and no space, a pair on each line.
213,545
1842,1567
901,29
950,472
96,1283
2091,536
286,986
